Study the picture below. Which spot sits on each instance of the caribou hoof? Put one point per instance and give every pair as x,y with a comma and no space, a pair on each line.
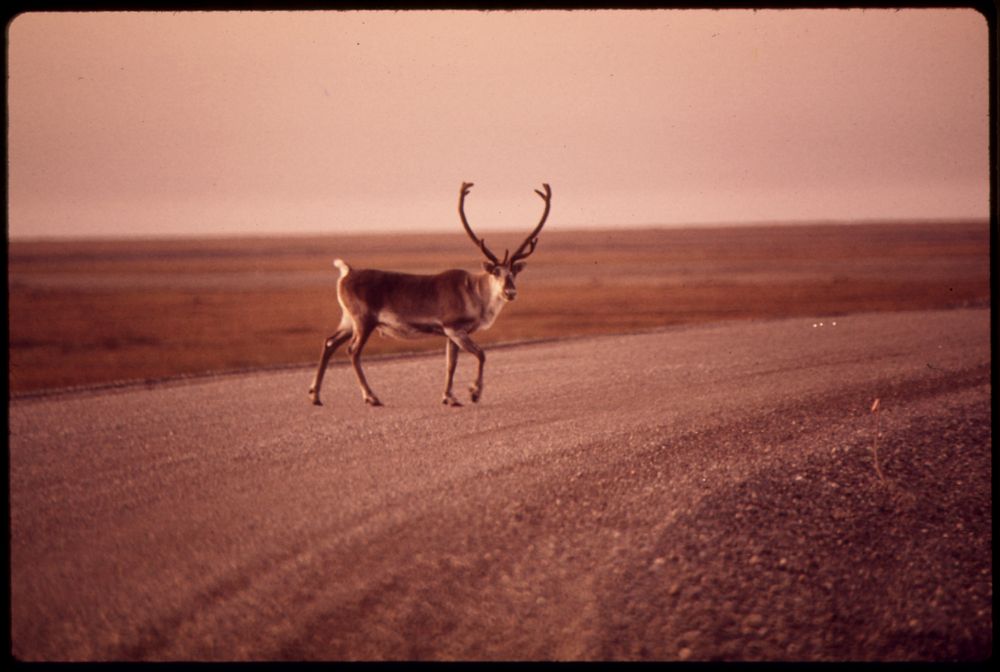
474,392
373,401
449,400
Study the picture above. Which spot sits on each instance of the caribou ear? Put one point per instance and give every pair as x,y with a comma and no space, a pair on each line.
489,266
518,267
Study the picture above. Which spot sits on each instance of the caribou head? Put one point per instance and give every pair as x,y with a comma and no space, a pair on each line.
504,271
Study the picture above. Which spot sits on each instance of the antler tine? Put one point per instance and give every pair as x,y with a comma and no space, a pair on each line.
532,238
481,242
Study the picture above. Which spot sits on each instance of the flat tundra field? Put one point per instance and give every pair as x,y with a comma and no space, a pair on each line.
86,313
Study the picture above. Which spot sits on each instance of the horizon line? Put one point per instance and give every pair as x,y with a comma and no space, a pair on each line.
577,228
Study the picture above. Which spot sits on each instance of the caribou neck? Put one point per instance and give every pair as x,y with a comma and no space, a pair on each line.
492,299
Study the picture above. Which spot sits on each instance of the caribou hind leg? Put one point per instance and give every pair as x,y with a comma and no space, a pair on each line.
361,334
329,347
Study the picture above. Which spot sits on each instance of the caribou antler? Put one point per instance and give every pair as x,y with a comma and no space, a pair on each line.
481,242
532,238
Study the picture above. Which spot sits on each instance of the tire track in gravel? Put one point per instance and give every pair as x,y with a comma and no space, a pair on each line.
612,567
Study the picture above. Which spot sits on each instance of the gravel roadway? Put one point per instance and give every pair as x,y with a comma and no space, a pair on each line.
695,493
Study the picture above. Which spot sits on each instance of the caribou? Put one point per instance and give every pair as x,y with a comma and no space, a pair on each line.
454,304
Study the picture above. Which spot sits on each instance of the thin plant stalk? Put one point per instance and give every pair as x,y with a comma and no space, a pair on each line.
878,468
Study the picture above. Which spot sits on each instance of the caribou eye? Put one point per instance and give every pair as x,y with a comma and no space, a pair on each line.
496,271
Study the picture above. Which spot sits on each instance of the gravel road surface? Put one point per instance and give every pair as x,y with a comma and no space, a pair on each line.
696,493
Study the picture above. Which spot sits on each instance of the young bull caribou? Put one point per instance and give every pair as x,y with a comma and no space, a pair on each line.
453,304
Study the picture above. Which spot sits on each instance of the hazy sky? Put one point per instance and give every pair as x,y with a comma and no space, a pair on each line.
285,122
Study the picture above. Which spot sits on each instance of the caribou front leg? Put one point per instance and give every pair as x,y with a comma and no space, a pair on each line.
451,360
463,340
